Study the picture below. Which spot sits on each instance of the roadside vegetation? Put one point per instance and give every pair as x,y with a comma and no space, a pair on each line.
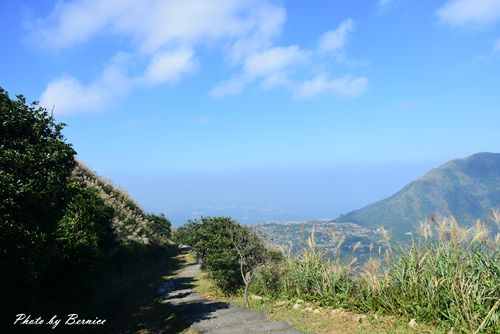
448,278
310,317
229,252
66,235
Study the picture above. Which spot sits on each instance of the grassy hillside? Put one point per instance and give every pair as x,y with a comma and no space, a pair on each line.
466,188
130,224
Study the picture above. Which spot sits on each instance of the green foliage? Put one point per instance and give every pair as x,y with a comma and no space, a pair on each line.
451,280
455,284
225,249
35,166
61,226
35,163
210,239
83,233
161,225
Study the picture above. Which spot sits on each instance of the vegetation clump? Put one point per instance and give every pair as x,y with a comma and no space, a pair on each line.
61,225
449,277
229,252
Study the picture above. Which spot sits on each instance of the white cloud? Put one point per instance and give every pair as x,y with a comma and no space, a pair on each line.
232,86
165,38
68,96
163,35
273,60
156,24
271,20
470,12
169,66
345,86
334,41
271,67
278,67
279,79
74,22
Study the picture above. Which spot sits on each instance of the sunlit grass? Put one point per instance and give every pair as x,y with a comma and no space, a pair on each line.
313,318
448,277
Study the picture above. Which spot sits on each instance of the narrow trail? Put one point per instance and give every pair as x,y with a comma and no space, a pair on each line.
205,316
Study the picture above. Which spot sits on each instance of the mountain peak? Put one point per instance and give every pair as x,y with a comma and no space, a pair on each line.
467,188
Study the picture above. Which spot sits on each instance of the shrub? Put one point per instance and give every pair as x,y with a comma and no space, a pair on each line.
84,232
62,226
35,166
210,239
161,225
229,252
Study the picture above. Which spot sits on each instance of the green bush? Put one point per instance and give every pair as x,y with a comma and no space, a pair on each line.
84,232
35,166
62,226
228,251
161,225
210,239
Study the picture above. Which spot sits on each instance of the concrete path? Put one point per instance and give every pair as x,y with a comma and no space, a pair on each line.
205,316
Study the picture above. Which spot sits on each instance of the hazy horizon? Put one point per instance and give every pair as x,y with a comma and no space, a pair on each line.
261,196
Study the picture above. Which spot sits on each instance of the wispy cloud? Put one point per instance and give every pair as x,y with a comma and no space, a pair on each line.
166,38
169,66
469,13
279,67
335,40
67,95
273,60
270,67
345,86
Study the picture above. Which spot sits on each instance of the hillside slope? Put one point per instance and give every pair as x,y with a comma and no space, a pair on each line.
466,188
130,224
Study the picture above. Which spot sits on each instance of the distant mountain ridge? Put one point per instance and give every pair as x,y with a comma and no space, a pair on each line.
466,188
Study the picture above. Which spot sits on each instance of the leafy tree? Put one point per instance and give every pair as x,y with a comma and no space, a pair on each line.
59,224
252,254
35,166
84,231
229,252
161,225
211,241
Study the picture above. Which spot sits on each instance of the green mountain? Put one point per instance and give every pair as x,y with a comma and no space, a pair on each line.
465,188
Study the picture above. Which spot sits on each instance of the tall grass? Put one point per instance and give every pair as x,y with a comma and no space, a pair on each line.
448,276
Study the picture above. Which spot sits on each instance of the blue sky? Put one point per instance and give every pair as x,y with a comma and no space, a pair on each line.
257,108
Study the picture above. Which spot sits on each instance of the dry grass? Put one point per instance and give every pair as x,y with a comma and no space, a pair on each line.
312,318
448,277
